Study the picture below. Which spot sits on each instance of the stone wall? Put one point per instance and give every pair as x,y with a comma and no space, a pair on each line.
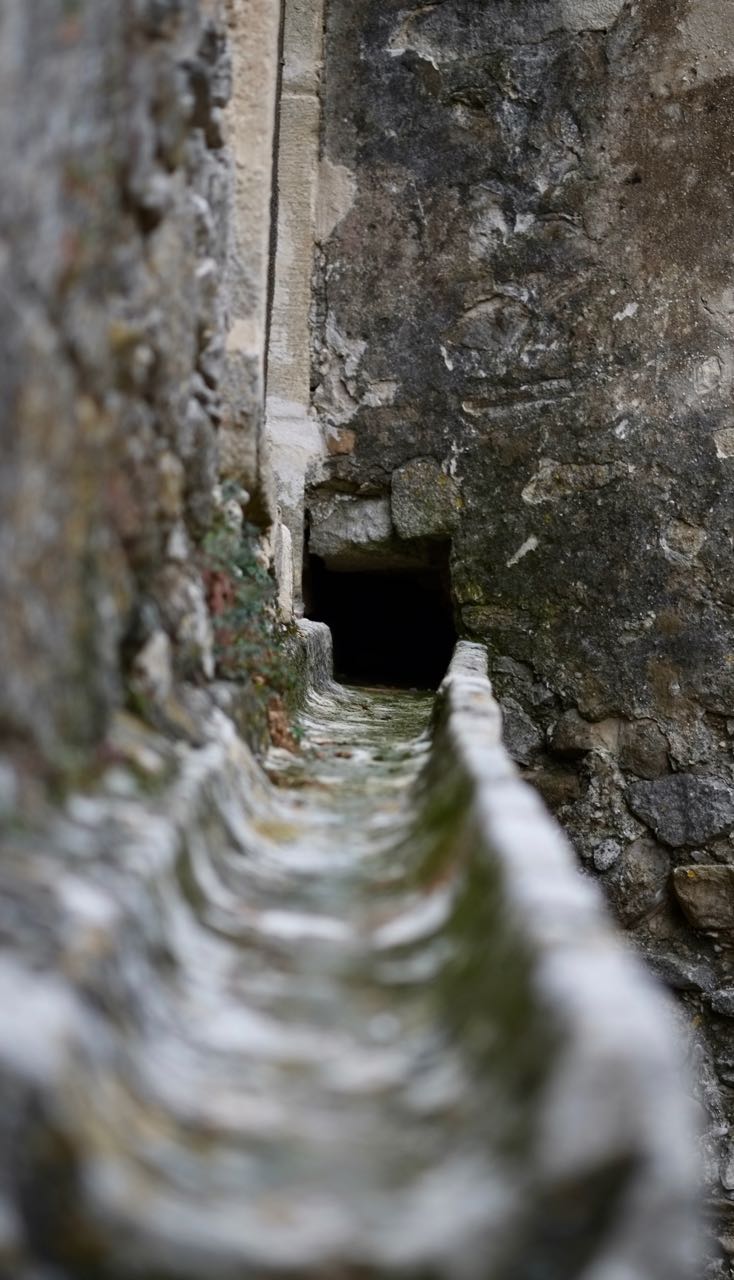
293,433
117,380
509,356
531,294
522,347
254,28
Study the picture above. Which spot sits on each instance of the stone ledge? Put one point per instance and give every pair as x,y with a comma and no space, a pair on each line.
614,1093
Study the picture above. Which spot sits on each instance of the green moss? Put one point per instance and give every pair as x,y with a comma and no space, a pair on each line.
250,644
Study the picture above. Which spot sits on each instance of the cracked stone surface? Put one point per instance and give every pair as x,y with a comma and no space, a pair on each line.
537,257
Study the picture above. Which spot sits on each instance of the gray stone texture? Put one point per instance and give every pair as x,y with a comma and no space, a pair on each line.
505,268
425,501
706,894
638,880
113,218
537,263
522,738
684,808
583,975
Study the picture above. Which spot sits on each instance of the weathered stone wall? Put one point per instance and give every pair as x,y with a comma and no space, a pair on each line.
293,433
135,259
532,289
254,28
115,379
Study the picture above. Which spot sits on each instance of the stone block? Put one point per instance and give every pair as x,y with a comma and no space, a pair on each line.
643,749
573,737
348,531
706,895
637,883
523,739
722,1002
426,503
684,808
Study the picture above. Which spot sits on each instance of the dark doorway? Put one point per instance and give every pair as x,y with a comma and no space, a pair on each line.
389,627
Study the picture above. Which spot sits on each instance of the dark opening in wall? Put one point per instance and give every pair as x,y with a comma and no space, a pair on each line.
390,627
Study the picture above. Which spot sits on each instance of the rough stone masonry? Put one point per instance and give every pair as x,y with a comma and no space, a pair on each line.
134,247
522,323
529,299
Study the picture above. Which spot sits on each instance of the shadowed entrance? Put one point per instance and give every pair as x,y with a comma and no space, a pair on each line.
389,627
